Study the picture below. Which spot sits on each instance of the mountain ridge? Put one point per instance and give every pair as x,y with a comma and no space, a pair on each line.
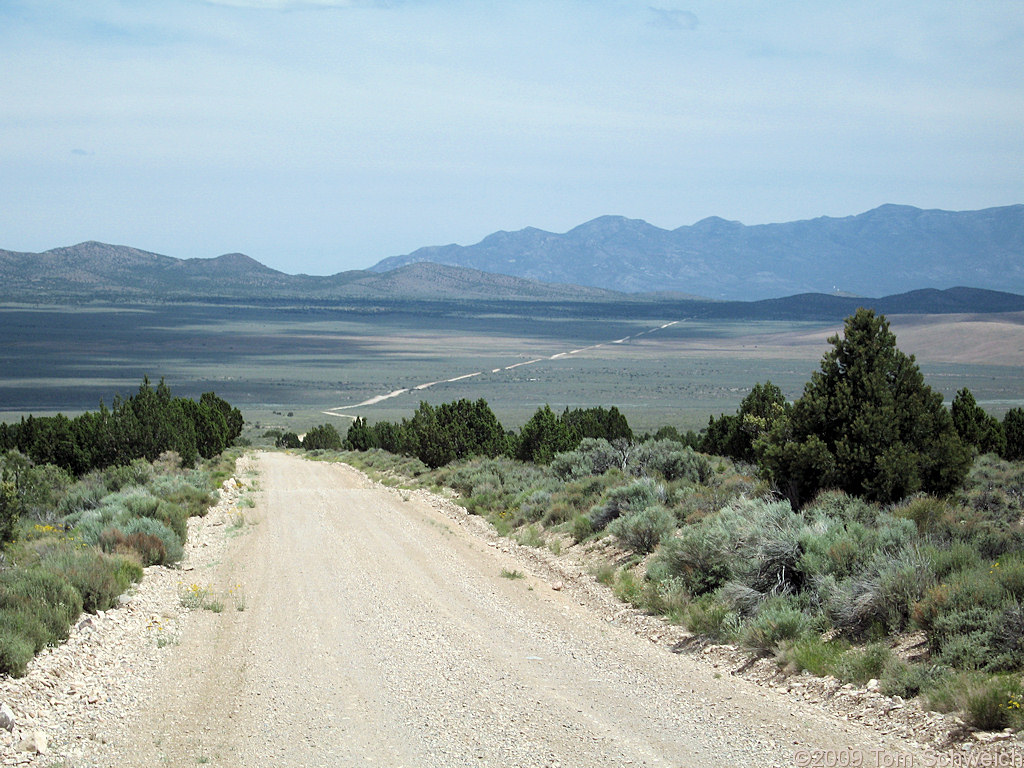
889,249
95,271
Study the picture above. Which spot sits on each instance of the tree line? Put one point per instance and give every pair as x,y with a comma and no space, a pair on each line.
142,426
445,433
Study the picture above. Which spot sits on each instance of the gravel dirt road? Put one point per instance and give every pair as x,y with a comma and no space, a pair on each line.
377,632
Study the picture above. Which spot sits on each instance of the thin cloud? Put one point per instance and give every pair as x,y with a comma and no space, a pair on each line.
672,18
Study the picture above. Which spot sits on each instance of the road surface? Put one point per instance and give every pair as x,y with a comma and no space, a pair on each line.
378,633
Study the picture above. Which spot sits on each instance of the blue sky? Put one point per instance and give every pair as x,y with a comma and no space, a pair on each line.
323,135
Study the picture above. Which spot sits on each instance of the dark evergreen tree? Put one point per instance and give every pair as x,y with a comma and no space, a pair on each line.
1013,430
209,427
472,428
734,436
324,437
543,436
431,443
975,427
143,426
599,423
233,420
360,436
56,443
390,437
866,423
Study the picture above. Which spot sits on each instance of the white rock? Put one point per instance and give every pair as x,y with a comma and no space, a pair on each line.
34,742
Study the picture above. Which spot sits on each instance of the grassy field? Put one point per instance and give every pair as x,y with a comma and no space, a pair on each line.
272,361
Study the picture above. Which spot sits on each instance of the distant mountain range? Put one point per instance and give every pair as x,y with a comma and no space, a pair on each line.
901,254
94,271
888,250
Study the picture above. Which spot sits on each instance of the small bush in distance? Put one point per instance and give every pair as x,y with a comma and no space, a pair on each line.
581,528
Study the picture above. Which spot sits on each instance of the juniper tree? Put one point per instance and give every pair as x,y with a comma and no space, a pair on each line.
976,427
866,423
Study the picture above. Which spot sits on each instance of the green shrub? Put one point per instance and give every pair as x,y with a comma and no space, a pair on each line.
43,603
85,494
885,594
16,650
139,472
668,598
605,574
992,705
594,456
810,652
926,512
1009,574
1008,638
136,500
777,621
625,499
175,517
644,530
988,702
39,488
965,649
558,513
190,491
858,665
89,524
628,588
671,460
584,493
99,578
707,616
958,556
581,528
835,547
530,537
150,527
535,505
745,600
974,619
698,557
902,678
841,506
149,549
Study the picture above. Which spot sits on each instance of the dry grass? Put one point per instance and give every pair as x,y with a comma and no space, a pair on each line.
970,339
